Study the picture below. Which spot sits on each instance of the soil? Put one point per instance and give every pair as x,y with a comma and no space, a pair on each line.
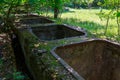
8,68
7,59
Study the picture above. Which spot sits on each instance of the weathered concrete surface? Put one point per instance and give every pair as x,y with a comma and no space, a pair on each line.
42,67
94,60
32,61
57,31
34,19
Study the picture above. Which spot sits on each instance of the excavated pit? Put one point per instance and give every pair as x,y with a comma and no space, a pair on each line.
54,32
93,60
35,20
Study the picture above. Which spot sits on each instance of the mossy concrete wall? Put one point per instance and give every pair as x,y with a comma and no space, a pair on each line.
42,65
35,67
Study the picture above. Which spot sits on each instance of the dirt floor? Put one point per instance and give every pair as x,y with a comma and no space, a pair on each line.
8,69
7,61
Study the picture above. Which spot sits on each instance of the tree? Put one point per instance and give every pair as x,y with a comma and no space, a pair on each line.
76,3
89,3
81,3
57,5
96,3
114,7
6,9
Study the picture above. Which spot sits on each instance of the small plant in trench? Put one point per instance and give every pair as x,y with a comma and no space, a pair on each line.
15,75
18,76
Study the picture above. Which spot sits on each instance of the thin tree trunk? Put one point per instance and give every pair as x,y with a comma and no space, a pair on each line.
74,4
118,26
56,8
56,12
117,8
106,25
108,18
118,23
8,21
8,12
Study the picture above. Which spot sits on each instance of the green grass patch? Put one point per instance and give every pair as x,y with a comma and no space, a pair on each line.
89,20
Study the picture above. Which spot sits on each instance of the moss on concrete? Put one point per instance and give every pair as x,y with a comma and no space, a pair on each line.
44,67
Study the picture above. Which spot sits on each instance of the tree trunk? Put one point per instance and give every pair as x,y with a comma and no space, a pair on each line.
56,12
56,8
89,5
107,22
118,23
106,25
74,4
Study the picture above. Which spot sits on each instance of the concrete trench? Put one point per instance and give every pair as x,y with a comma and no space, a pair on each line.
93,60
89,60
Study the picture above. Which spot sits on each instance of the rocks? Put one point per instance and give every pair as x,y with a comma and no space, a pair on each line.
39,52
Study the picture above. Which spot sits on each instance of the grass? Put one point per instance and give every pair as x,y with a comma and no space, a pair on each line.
89,20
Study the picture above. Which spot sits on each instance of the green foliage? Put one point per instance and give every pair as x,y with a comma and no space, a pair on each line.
5,5
114,6
118,14
111,4
18,76
10,76
15,75
88,1
6,12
